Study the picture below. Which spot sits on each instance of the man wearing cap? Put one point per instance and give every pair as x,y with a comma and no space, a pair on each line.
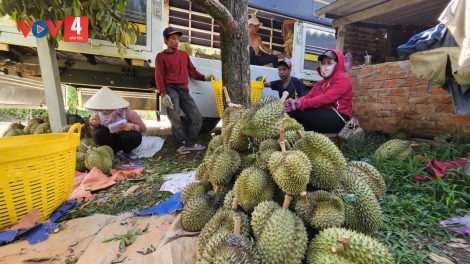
172,68
287,82
328,105
255,44
111,109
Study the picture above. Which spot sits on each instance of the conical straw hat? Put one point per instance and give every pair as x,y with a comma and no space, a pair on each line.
105,99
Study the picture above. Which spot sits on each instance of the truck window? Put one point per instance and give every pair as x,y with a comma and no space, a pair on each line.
316,43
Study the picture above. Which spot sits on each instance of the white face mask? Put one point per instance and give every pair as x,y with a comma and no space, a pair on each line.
326,71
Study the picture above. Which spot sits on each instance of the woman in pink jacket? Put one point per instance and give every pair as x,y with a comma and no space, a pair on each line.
114,123
316,110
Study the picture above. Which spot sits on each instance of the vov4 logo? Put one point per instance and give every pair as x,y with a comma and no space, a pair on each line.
75,28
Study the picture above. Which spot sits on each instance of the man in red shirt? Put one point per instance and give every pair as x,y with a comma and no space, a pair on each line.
172,68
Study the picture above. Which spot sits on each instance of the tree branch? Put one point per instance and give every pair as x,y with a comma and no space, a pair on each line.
218,12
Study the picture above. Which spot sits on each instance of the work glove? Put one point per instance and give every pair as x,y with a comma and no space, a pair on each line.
209,77
292,105
167,101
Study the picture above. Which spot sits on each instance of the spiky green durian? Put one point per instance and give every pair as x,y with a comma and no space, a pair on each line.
290,170
400,133
223,220
72,119
360,249
215,142
29,129
99,158
225,247
247,160
320,209
14,126
264,119
224,164
254,185
203,170
45,119
14,132
228,200
86,143
328,163
43,129
80,162
265,149
35,120
106,149
65,129
290,130
361,208
240,142
370,174
193,189
261,215
395,148
199,210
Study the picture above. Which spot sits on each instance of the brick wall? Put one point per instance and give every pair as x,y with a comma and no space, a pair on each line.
389,95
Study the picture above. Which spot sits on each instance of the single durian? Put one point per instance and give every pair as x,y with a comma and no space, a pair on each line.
43,128
226,246
85,144
13,126
225,162
254,185
99,158
292,129
80,162
65,129
240,142
370,174
328,163
14,132
395,148
29,129
290,170
361,208
340,245
34,121
400,133
282,238
106,149
193,189
228,200
199,210
265,149
72,119
247,160
216,142
203,170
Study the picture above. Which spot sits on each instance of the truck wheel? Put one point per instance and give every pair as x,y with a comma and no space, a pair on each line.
208,123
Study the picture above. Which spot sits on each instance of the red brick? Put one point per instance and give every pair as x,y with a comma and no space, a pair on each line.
399,114
389,106
372,99
375,106
460,119
412,75
377,84
360,106
370,113
383,100
437,90
384,113
398,99
391,84
360,92
440,100
391,120
439,117
356,85
407,123
417,90
383,92
417,100
447,108
405,107
398,91
411,82
443,128
365,71
393,68
414,116
366,85
372,93
382,77
425,108
366,79
398,75
426,124
353,73
380,68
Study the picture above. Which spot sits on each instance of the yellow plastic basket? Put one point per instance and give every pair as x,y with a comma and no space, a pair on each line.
36,171
256,91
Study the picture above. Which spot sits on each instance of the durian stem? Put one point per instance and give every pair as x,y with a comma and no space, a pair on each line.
287,200
413,145
300,134
237,225
216,189
230,144
345,240
213,135
227,98
303,198
285,94
337,248
235,203
240,113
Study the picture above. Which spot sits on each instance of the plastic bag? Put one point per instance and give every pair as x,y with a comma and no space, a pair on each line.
149,146
348,61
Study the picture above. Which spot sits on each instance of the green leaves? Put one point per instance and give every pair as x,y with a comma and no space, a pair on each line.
126,239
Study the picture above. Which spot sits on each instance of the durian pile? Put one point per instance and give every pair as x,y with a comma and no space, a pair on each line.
288,44
89,154
266,188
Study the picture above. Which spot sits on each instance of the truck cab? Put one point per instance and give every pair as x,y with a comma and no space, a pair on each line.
89,66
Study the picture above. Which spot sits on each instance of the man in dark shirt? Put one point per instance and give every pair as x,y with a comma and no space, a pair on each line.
172,68
287,82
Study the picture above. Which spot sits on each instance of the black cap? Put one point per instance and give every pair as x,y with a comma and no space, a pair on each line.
286,62
169,31
330,54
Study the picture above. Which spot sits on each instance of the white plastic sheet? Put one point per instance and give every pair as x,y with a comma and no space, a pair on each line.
149,146
176,182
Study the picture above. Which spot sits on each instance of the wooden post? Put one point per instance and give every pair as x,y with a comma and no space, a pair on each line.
51,80
341,37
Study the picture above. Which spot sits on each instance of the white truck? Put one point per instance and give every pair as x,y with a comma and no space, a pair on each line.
96,63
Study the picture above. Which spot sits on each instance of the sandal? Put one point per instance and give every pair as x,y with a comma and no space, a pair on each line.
131,155
182,150
196,147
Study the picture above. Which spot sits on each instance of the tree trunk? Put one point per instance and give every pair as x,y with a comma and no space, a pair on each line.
232,16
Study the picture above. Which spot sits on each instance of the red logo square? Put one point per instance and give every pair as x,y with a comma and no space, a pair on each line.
76,29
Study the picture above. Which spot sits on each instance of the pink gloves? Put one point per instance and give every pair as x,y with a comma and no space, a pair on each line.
292,105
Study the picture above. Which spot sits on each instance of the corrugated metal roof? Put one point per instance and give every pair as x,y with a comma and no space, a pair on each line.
412,12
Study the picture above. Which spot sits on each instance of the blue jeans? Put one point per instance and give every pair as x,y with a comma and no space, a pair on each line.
183,101
261,60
